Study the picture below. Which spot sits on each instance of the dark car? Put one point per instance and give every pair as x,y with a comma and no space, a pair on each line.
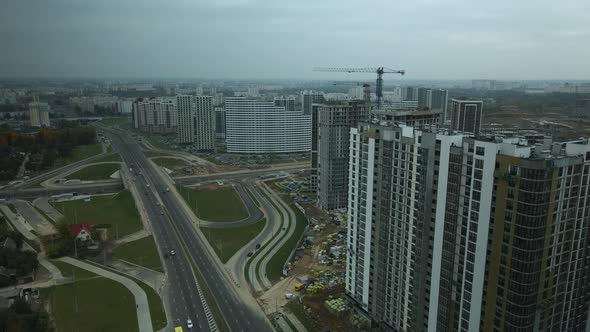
249,254
258,246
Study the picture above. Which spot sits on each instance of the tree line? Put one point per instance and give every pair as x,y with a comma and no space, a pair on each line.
44,148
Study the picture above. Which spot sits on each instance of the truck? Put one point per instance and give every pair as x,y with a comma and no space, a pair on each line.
299,286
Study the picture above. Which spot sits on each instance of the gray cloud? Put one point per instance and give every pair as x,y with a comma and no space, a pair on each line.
284,39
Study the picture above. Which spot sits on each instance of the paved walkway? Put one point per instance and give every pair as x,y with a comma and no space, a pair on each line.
129,183
144,318
294,321
152,278
41,225
43,204
18,222
132,237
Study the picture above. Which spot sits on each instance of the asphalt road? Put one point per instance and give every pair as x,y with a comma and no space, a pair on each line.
182,292
95,188
177,232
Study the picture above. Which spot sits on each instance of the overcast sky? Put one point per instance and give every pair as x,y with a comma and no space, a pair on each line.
431,39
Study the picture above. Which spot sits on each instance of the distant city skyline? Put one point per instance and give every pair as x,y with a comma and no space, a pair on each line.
451,39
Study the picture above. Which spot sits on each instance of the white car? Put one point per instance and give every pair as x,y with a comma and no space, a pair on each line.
189,323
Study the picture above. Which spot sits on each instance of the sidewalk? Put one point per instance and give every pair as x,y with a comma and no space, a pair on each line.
144,318
132,237
18,222
41,225
43,204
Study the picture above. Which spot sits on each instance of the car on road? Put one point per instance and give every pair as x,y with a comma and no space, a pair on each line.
250,254
162,212
172,252
258,246
189,323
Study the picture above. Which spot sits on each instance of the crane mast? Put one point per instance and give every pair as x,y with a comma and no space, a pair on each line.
379,70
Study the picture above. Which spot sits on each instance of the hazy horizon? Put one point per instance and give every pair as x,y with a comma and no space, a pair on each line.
242,39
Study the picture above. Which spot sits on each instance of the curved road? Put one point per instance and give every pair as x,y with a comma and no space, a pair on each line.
289,217
254,213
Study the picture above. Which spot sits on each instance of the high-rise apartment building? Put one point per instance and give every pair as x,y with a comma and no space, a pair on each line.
186,128
39,113
424,98
219,122
196,121
414,118
433,99
448,232
155,115
253,126
409,93
440,102
310,97
124,106
466,115
288,102
330,160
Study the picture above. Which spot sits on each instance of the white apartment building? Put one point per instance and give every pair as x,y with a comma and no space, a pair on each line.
447,232
39,114
261,127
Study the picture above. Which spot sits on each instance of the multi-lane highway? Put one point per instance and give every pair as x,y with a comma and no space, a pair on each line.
182,294
174,230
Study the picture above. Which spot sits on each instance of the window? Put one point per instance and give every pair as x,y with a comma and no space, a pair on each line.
480,150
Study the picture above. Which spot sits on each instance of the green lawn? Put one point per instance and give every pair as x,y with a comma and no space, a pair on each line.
109,157
299,312
170,163
154,301
141,252
227,241
223,204
95,172
274,268
115,211
91,304
80,152
156,307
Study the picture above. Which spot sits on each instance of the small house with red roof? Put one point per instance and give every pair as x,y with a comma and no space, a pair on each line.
80,231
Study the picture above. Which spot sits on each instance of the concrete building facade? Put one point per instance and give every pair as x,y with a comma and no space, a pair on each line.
220,123
288,102
466,115
39,114
310,97
254,126
196,121
330,160
155,115
449,232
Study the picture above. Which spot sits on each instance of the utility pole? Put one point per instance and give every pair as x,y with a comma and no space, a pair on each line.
75,293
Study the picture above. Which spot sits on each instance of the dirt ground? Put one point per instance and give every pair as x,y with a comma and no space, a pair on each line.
562,125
